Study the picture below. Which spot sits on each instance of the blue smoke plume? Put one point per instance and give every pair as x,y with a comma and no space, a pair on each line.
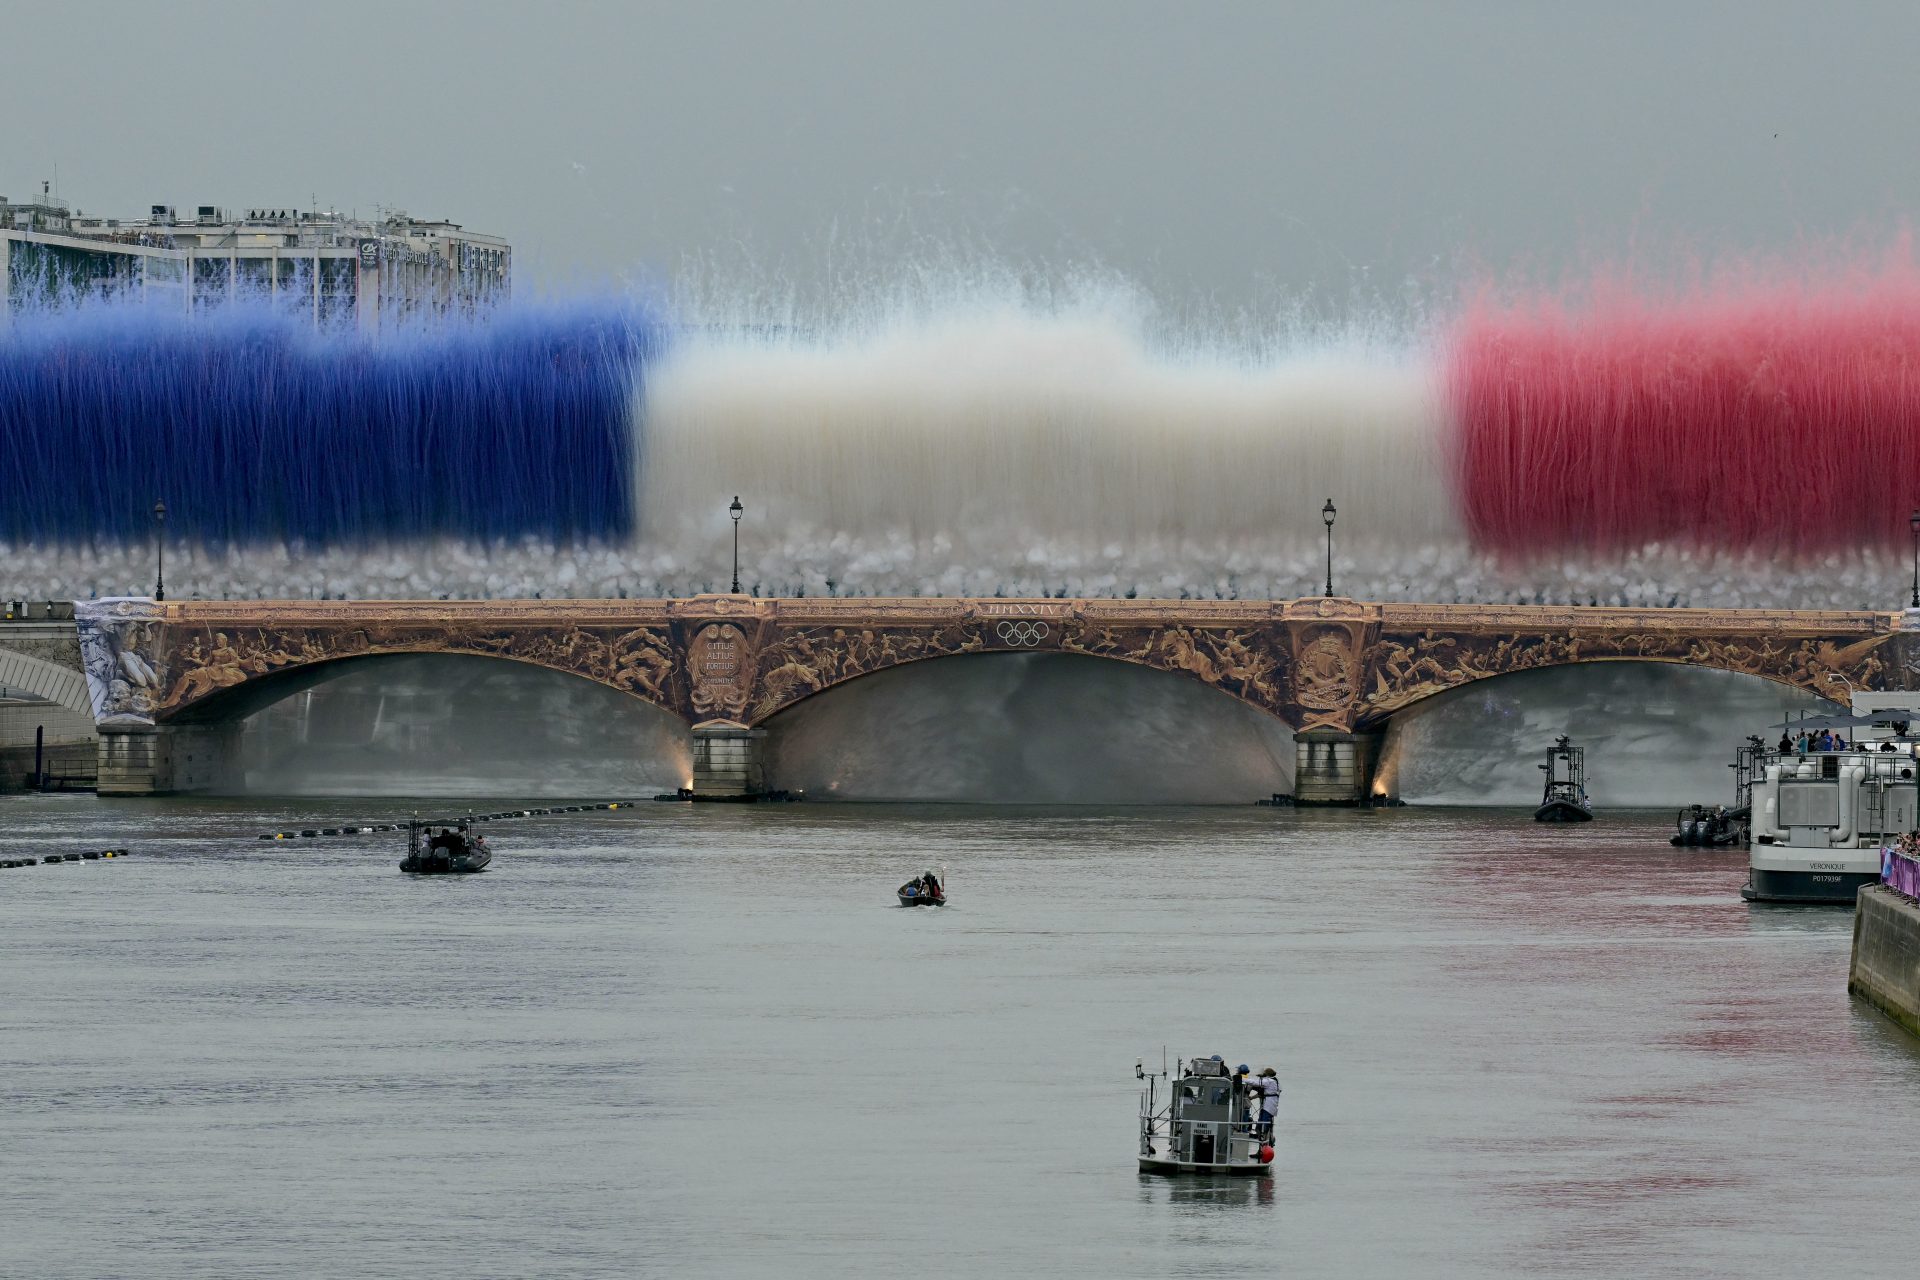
255,427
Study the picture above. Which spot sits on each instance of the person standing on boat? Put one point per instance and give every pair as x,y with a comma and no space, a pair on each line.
1269,1101
1786,744
1242,1095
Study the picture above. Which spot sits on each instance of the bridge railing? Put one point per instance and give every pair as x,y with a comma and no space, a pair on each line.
35,610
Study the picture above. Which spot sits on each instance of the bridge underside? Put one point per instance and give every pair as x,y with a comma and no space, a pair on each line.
1332,670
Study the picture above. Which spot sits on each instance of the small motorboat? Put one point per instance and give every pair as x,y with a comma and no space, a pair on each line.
452,850
1207,1125
1565,797
923,891
1701,827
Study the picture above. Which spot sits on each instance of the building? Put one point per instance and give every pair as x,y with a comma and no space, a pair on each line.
346,270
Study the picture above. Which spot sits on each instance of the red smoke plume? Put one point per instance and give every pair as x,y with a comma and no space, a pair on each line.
1769,418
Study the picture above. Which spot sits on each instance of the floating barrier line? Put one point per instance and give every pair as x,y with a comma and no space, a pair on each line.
314,833
90,855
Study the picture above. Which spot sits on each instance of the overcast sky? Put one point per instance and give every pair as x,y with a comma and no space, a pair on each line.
1207,150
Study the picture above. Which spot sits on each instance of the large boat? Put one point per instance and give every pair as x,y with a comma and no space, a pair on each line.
1207,1124
452,850
1565,796
1821,817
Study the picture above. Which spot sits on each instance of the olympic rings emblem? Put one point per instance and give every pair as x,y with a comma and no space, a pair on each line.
1023,634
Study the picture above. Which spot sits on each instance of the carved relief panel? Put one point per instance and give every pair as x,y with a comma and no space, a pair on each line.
719,671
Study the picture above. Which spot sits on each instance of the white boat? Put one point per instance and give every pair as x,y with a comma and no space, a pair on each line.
1207,1124
1820,818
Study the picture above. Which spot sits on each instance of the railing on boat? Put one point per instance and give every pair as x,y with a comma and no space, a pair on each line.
1159,1127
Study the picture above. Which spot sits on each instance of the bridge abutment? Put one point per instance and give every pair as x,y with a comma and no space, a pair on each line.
1332,767
727,761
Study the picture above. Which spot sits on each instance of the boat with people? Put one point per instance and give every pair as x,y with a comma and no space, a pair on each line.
1834,793
1701,827
1565,796
454,849
1212,1121
924,890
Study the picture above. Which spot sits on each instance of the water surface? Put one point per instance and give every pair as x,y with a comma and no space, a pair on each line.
703,1042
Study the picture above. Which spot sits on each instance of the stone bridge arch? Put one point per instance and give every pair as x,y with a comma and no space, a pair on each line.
160,664
1242,650
45,670
1414,657
204,662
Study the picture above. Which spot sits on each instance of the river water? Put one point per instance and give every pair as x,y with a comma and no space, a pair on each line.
704,1042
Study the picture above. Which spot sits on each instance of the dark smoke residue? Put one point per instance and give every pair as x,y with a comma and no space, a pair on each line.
1030,728
460,726
1655,734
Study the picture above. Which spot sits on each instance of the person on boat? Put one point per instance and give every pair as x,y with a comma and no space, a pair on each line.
930,885
1786,744
1800,744
1243,1094
1839,742
1269,1102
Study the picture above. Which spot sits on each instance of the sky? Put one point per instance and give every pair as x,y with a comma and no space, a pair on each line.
1212,153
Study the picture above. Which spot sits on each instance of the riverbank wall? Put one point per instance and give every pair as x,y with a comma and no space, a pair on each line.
1886,954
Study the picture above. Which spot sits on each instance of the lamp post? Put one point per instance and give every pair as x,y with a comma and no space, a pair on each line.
735,511
160,550
1326,514
1913,523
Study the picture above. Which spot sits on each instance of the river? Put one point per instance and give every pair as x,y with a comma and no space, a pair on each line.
703,1041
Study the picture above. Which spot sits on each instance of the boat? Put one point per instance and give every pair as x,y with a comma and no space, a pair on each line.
1821,818
1701,827
926,890
1565,797
454,850
1206,1126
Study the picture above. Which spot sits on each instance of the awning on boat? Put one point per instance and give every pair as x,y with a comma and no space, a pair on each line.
1896,715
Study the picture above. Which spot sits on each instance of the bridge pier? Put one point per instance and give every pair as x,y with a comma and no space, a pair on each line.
727,761
164,760
1332,767
135,760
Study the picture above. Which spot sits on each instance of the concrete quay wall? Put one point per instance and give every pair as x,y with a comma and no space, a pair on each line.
1886,955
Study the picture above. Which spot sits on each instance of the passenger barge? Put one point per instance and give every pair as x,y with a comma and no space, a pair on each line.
1821,817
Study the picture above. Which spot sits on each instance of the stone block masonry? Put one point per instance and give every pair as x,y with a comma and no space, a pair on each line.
1886,955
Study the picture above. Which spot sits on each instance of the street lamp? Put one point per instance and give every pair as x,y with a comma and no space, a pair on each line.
160,550
1326,514
1913,523
735,511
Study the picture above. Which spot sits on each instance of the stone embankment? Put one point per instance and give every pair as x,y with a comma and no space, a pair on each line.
1886,954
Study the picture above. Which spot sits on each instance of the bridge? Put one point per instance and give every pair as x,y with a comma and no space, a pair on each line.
165,675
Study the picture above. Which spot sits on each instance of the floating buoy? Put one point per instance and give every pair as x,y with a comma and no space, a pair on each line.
1266,1153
